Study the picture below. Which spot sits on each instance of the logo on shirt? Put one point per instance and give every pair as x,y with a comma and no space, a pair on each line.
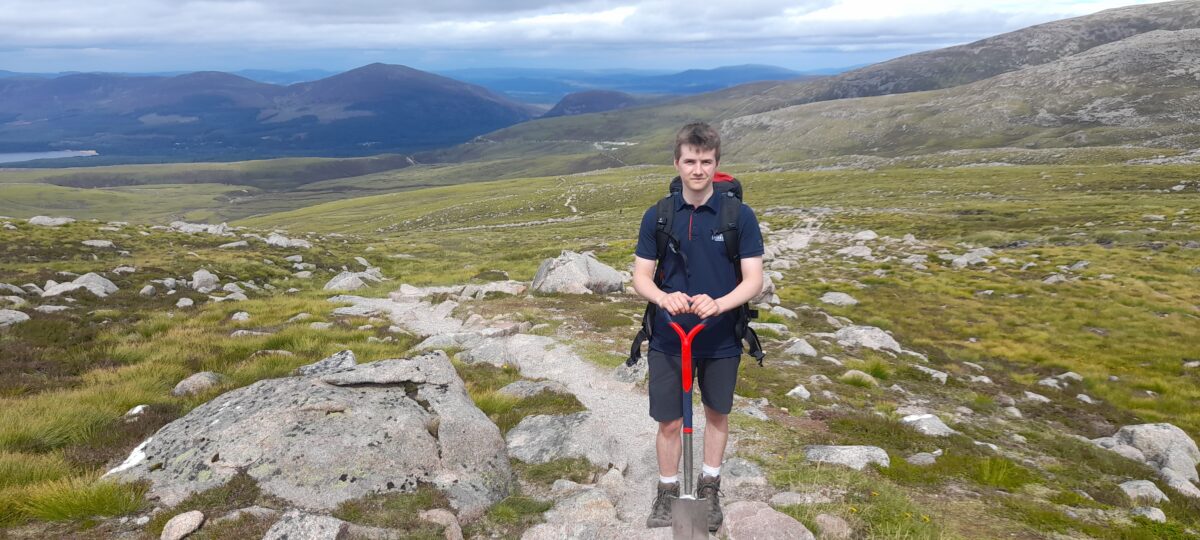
718,237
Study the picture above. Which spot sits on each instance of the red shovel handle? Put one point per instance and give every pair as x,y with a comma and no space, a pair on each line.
685,342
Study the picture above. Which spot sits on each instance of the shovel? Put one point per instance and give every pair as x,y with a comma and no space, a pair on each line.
689,515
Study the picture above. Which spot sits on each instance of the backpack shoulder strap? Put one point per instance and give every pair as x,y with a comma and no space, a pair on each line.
664,218
727,218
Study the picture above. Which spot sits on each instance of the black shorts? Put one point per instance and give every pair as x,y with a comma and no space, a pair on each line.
718,376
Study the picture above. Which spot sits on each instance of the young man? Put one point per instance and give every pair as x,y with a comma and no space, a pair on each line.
698,281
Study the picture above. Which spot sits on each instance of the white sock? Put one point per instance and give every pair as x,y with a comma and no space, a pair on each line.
669,479
711,471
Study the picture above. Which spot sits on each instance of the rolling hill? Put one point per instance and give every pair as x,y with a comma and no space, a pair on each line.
1094,39
213,115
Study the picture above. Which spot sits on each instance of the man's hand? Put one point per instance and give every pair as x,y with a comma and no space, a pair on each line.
675,303
704,306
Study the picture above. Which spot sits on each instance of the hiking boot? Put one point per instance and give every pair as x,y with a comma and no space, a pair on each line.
660,512
709,488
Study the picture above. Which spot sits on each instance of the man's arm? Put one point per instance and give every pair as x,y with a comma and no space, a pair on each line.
643,282
751,285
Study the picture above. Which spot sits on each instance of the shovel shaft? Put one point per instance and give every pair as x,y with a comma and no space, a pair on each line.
687,464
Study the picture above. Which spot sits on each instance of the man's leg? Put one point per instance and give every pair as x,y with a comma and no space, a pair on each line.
669,447
716,435
718,377
666,409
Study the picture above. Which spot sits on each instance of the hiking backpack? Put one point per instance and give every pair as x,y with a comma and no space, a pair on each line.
730,188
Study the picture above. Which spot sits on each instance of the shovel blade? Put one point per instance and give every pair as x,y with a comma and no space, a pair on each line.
689,519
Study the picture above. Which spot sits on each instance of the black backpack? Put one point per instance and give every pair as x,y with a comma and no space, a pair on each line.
723,186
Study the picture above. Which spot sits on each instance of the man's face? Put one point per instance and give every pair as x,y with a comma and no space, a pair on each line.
696,167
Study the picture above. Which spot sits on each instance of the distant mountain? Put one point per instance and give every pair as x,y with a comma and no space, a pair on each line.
284,78
214,115
547,86
590,102
696,81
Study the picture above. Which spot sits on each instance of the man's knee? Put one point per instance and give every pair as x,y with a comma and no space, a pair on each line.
711,415
670,427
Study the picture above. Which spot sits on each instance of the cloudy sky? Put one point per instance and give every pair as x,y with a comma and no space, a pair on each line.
166,35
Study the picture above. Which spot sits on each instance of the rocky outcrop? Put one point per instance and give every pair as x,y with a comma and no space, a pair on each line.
352,281
1162,446
9,317
575,273
318,441
753,520
855,457
93,282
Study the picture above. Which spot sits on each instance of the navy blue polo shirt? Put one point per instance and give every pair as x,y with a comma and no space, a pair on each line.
709,271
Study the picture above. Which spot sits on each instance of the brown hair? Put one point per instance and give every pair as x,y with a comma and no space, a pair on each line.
700,135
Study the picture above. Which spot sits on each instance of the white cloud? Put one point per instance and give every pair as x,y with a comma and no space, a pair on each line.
518,27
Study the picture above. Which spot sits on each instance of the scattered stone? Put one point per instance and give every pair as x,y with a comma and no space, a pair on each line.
824,495
294,258
182,525
865,235
320,325
1086,399
98,243
799,392
46,221
352,281
93,282
746,520
196,228
9,317
862,252
234,245
526,388
922,459
184,302
771,327
50,309
240,316
974,366
939,376
197,383
980,379
1054,279
857,375
855,457
297,525
204,281
1149,512
576,273
866,336
1143,491
819,379
1154,217
838,299
783,312
832,527
1038,398
12,289
928,424
248,333
300,317
1013,412
279,240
